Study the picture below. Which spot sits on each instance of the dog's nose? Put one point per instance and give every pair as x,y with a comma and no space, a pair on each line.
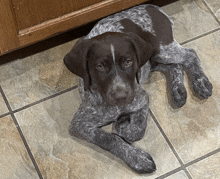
119,93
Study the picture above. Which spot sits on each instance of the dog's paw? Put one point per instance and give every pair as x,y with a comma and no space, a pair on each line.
131,133
202,86
179,95
140,161
131,127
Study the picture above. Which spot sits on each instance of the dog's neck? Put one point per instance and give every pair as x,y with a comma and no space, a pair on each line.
92,97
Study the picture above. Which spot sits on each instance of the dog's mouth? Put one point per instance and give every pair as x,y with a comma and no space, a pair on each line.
120,100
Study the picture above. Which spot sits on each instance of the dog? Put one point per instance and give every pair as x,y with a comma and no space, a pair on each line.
112,63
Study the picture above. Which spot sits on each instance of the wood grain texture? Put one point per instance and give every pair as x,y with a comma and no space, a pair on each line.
75,19
33,12
12,38
8,29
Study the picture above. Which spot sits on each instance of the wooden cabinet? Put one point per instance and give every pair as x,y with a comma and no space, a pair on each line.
24,22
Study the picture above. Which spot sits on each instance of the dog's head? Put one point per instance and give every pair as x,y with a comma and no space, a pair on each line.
111,62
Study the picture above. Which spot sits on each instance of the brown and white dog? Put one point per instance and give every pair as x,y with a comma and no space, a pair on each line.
113,61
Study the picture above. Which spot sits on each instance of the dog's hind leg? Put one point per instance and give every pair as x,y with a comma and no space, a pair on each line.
199,80
175,81
176,54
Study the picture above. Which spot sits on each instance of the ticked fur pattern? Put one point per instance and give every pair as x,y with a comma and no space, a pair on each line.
130,120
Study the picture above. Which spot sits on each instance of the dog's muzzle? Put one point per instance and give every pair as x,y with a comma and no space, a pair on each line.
120,93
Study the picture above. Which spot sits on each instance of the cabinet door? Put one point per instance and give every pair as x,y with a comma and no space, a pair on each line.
24,22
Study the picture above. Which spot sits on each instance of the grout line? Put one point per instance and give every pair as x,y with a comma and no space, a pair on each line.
5,114
11,112
211,11
170,173
187,173
200,36
36,102
27,147
166,138
21,134
182,167
5,99
202,157
188,164
45,99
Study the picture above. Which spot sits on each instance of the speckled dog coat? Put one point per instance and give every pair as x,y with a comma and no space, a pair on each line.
135,27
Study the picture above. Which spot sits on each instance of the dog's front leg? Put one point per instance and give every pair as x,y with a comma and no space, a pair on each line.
175,80
131,127
200,82
86,128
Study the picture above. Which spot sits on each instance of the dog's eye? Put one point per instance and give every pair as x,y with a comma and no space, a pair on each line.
100,67
128,63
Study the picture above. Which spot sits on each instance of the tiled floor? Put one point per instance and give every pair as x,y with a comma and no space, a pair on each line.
39,96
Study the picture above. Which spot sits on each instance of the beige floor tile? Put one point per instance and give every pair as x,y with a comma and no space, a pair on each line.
3,107
207,168
193,129
178,175
27,80
45,127
214,5
190,19
14,159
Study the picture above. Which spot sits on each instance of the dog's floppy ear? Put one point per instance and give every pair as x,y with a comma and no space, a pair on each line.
76,61
143,50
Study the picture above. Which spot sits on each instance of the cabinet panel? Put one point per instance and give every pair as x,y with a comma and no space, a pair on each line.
24,22
33,12
8,28
74,19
